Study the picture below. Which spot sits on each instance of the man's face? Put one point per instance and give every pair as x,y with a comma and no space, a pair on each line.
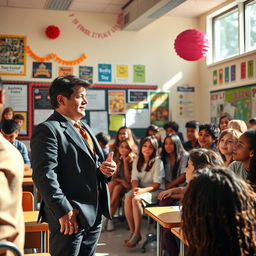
11,136
192,134
169,130
74,107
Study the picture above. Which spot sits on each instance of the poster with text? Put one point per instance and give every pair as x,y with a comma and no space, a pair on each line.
250,68
139,73
42,70
16,96
104,72
186,102
221,76
86,73
96,100
226,74
122,74
253,93
215,77
116,102
137,96
233,73
65,71
159,112
12,55
243,70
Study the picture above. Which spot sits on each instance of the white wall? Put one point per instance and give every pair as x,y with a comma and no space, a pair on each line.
152,46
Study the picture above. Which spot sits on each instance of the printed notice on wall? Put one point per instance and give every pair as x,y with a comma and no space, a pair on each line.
16,96
96,100
186,102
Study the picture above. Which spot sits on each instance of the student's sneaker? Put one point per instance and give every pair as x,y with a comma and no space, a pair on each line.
104,223
110,225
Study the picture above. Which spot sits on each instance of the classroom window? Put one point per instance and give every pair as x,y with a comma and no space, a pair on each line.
250,25
232,30
226,35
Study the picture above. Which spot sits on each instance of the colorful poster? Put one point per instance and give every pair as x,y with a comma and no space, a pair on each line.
122,73
250,68
243,70
42,70
233,73
65,71
238,102
137,96
186,102
86,73
116,102
115,122
159,113
221,76
12,55
104,72
253,93
215,77
226,74
139,73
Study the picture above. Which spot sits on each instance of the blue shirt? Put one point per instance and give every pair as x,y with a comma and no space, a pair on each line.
23,150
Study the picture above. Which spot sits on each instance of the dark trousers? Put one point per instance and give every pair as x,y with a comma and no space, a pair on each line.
81,244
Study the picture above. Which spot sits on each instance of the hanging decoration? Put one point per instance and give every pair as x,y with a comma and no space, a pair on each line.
55,57
93,34
191,44
52,32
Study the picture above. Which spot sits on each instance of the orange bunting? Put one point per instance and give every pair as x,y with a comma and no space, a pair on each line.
55,57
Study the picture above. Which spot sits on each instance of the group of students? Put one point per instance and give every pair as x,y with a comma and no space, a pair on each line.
153,172
11,125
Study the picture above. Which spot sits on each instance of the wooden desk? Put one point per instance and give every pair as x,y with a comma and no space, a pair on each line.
178,233
166,217
31,225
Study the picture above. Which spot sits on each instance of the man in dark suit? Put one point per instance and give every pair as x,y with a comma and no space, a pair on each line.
70,174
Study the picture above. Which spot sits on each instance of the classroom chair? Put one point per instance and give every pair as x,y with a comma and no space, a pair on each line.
9,246
27,201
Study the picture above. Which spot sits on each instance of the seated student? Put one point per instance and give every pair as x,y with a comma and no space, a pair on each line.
208,135
192,128
237,124
223,121
198,159
19,119
245,157
147,177
218,215
10,131
173,128
121,180
175,160
6,115
103,139
153,130
226,144
252,123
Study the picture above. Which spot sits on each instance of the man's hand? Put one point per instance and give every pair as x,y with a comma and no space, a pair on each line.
108,167
68,223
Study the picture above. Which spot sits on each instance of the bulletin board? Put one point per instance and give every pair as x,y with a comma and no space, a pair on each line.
110,106
239,102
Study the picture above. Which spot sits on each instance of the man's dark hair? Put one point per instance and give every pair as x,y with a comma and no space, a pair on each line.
252,121
192,124
104,138
211,128
19,116
172,125
65,86
9,126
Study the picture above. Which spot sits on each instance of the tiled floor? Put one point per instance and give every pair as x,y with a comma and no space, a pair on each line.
111,243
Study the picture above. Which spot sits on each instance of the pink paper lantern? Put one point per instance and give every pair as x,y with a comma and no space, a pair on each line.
191,44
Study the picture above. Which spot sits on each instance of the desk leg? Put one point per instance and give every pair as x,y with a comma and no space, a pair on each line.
182,248
159,239
43,241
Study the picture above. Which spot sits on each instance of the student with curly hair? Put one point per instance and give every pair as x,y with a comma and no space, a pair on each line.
218,215
208,136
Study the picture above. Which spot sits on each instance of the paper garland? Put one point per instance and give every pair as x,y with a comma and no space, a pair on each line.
93,34
55,57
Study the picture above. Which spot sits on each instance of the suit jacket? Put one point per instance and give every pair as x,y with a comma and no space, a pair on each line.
66,174
11,176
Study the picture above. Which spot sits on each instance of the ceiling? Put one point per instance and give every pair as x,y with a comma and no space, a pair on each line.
190,8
